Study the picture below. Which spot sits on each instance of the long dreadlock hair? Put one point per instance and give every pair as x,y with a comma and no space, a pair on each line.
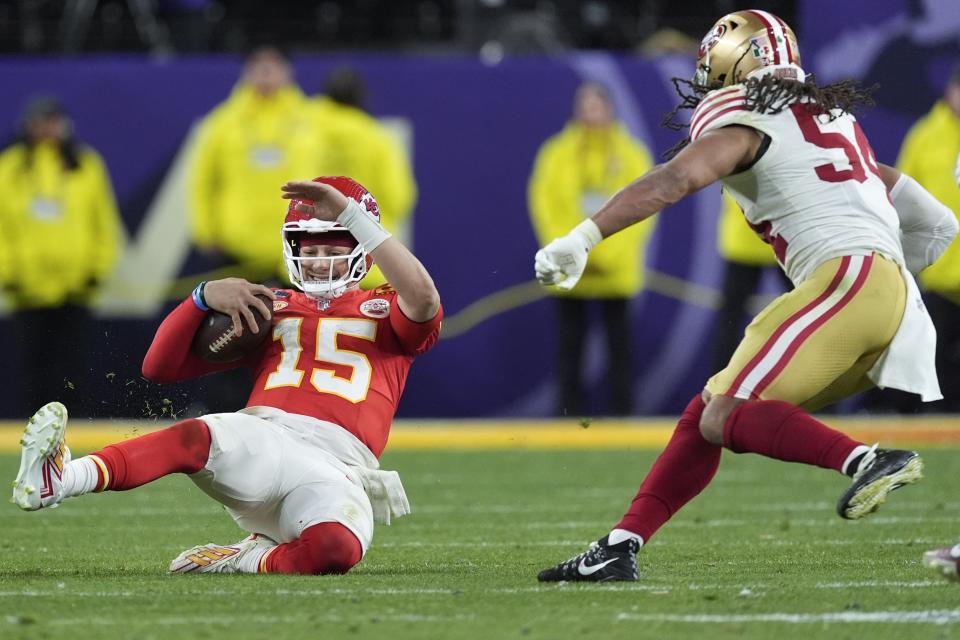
772,94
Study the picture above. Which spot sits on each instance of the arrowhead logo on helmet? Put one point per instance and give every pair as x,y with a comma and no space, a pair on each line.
301,229
747,44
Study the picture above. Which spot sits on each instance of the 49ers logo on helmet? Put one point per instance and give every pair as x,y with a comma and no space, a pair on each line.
711,39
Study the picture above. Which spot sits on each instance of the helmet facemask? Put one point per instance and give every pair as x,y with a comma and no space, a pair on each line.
301,228
329,285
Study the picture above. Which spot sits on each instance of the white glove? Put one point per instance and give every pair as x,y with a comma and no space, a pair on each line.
956,171
562,262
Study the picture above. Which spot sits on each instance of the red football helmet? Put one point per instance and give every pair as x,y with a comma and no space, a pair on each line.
299,229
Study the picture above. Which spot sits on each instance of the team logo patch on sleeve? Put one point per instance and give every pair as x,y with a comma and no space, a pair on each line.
375,308
280,304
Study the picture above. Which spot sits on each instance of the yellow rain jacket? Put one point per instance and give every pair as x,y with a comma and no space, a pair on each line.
574,173
247,148
358,146
929,156
60,231
737,242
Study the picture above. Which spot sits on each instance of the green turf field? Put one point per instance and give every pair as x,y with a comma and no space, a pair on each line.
760,554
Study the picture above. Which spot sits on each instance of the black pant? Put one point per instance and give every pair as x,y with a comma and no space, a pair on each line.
572,325
54,362
946,318
740,281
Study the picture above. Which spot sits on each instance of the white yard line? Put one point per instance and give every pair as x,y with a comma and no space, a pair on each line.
67,593
945,616
271,620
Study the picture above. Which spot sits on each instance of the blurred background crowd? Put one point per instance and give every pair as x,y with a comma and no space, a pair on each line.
407,26
144,143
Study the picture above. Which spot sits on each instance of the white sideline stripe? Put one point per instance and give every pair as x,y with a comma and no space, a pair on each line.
261,619
545,589
944,616
828,520
776,353
569,543
883,584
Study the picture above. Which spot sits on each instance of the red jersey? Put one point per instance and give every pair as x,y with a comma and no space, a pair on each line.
343,360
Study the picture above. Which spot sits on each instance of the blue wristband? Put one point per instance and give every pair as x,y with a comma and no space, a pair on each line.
197,296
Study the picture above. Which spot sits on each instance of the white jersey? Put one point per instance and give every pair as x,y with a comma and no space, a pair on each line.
816,193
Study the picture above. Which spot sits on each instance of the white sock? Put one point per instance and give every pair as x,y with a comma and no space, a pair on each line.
619,535
858,451
250,563
79,477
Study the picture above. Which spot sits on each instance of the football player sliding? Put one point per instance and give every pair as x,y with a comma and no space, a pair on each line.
848,231
298,467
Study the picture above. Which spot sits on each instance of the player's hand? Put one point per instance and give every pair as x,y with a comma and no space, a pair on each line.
325,202
234,297
562,262
956,171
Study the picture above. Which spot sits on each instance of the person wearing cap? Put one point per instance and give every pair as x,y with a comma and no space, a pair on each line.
357,144
60,238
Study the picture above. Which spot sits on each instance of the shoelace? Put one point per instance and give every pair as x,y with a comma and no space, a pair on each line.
592,554
866,461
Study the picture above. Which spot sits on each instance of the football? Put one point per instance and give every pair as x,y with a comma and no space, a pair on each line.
216,342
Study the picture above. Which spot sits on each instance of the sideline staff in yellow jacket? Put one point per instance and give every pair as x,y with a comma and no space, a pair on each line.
357,145
248,146
60,237
929,154
575,172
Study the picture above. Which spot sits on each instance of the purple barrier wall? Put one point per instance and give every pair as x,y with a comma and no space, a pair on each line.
475,131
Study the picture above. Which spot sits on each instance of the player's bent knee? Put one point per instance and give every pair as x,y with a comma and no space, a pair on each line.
710,430
715,417
195,440
711,422
332,548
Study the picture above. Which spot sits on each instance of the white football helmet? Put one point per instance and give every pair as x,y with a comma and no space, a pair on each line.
300,228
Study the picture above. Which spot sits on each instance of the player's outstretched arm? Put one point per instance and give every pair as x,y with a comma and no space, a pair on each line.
712,156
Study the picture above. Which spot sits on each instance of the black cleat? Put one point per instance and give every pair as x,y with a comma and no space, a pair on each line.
600,563
880,472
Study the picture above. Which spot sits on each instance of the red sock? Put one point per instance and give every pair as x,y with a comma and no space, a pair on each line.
682,471
786,432
182,448
328,547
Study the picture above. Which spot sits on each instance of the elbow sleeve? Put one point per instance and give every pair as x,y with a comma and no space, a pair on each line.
927,225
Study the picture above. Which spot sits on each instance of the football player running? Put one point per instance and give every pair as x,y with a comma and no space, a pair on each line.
298,467
847,230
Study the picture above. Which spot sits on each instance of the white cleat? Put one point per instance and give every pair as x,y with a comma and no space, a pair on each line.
217,558
43,456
